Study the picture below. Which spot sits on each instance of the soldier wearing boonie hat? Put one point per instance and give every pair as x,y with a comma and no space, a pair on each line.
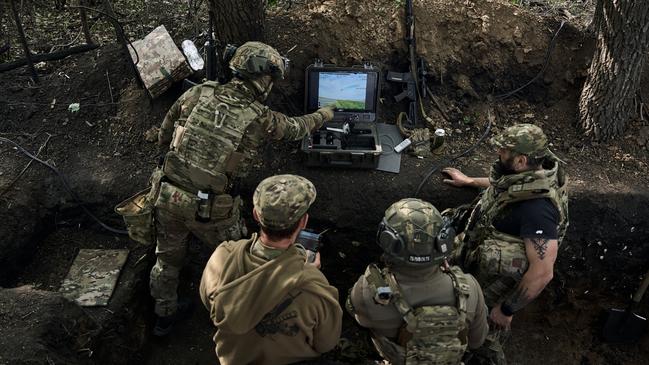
280,201
299,317
511,239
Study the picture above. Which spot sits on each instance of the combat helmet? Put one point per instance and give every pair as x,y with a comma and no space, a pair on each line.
413,233
255,59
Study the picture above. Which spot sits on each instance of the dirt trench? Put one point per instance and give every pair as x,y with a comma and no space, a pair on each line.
494,45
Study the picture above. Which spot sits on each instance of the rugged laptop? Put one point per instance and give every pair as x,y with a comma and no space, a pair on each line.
350,139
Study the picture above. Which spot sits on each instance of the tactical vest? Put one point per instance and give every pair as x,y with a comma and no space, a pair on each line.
206,150
433,334
497,259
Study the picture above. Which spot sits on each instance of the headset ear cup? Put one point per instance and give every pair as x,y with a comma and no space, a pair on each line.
388,239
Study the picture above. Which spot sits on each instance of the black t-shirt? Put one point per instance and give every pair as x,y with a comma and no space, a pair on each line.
534,218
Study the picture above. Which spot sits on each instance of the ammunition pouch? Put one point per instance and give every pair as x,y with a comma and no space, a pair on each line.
188,174
137,212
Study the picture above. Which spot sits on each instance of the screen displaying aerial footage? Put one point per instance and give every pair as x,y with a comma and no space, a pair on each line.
347,90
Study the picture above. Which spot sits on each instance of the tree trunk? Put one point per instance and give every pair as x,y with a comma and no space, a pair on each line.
237,22
607,99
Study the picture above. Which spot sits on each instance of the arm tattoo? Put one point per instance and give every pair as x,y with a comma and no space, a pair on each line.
540,246
518,300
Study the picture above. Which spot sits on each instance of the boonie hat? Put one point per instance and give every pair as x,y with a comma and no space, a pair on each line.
282,200
526,139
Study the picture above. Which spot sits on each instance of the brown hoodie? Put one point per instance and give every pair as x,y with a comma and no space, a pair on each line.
268,312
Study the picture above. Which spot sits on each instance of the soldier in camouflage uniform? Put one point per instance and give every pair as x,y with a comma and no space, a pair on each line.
418,309
513,234
269,306
214,133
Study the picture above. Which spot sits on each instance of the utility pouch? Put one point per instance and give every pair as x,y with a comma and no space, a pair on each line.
176,201
137,212
502,258
189,174
222,206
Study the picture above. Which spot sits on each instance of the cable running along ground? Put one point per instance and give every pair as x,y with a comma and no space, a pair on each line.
66,185
449,160
548,53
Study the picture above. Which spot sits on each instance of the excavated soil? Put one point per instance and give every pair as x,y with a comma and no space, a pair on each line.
476,50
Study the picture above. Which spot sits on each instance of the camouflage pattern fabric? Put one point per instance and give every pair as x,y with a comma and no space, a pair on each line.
420,146
175,220
416,222
205,147
215,132
498,260
207,133
247,61
433,334
491,352
526,139
93,276
281,200
159,62
137,213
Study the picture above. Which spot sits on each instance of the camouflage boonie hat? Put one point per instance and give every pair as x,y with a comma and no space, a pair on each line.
526,139
282,200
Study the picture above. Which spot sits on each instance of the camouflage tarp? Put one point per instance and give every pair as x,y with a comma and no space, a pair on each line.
159,61
93,276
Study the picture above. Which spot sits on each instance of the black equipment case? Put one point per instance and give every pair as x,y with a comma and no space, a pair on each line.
351,138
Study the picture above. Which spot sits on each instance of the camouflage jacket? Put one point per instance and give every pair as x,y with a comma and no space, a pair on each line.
218,130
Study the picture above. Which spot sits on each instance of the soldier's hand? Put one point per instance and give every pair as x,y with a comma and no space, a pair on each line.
327,112
315,262
457,178
500,320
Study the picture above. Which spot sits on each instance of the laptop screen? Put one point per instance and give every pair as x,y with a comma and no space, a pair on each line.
351,90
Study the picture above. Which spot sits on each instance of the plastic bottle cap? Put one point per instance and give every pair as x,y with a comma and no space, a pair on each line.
440,132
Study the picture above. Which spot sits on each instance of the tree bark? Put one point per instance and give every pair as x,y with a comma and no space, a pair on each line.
607,99
237,22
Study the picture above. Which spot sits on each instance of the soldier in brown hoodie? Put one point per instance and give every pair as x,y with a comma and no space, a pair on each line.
269,306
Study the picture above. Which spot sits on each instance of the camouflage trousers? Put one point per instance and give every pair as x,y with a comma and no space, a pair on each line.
172,237
491,352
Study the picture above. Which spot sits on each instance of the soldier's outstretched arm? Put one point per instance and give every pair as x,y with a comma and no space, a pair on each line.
282,127
541,254
459,179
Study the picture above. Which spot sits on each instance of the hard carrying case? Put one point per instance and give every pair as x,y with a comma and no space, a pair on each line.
350,139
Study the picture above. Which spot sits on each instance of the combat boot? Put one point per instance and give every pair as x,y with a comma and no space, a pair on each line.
164,325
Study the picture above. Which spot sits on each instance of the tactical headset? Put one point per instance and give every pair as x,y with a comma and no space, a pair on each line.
261,65
258,64
394,245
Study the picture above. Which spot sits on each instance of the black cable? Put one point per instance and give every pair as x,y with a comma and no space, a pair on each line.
548,53
448,161
66,185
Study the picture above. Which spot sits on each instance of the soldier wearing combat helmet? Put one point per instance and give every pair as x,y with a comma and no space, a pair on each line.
214,132
269,306
419,310
513,233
